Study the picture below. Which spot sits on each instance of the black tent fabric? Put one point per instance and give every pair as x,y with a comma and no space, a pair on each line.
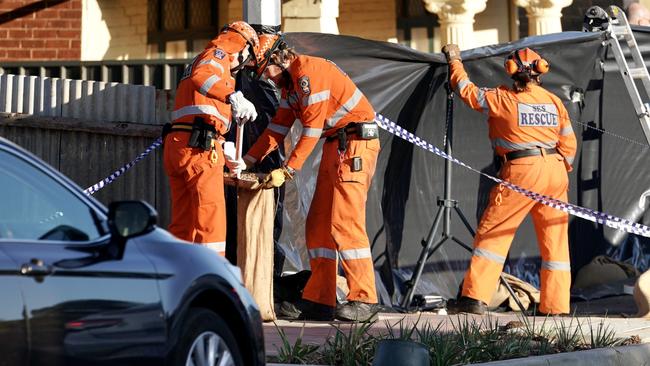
408,87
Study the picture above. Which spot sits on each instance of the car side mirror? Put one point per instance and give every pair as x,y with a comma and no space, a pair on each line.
127,219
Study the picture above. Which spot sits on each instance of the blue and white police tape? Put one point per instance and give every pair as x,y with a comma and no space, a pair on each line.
585,213
108,180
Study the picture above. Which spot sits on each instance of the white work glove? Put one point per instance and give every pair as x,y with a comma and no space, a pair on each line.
242,108
235,166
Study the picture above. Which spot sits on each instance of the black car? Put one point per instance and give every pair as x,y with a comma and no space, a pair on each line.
82,284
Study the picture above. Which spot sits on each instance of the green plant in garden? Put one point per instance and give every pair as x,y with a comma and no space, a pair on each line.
351,348
405,333
443,347
297,352
568,337
603,336
469,341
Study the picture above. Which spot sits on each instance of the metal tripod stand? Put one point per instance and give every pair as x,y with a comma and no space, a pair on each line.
445,205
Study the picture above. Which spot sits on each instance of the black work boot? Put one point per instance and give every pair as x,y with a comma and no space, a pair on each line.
466,305
305,310
357,311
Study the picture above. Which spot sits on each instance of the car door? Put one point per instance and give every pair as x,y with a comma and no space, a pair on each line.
86,299
13,335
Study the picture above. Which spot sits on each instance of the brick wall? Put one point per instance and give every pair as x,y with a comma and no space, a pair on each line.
30,30
371,19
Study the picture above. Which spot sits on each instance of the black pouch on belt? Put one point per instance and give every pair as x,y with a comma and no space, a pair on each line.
202,134
497,162
342,136
167,128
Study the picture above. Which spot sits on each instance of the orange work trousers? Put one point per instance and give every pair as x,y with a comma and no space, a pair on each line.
545,174
196,183
336,224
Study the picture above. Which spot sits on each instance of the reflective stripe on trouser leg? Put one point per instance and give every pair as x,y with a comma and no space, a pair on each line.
552,227
496,231
349,215
321,286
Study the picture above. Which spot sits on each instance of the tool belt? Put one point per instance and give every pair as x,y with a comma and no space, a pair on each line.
363,130
524,153
201,133
499,160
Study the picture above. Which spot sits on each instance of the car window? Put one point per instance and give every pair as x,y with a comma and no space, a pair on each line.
35,206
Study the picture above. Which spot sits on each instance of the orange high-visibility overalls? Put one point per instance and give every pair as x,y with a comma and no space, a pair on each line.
533,119
324,99
196,175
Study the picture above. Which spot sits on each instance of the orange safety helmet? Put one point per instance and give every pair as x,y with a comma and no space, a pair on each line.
245,31
525,60
268,44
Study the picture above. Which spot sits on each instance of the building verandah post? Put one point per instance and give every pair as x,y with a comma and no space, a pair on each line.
456,19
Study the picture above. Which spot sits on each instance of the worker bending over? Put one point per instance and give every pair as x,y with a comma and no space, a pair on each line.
329,106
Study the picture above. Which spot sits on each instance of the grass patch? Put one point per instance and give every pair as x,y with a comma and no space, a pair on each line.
458,340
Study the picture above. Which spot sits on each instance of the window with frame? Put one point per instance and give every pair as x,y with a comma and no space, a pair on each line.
181,28
416,27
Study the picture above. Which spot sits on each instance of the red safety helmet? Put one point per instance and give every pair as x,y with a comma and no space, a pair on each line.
245,31
525,60
268,44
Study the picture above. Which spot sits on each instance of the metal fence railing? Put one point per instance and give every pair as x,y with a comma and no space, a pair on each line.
162,74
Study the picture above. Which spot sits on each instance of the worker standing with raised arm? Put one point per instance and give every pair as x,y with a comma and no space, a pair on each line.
531,135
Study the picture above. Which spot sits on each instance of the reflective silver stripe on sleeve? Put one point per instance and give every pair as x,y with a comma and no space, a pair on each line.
355,254
569,159
284,104
556,266
480,96
316,98
199,109
322,253
344,109
282,130
213,63
250,159
207,85
312,132
522,145
219,246
489,255
462,84
566,130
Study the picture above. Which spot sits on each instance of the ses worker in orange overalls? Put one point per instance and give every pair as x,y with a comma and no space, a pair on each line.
193,157
531,134
329,106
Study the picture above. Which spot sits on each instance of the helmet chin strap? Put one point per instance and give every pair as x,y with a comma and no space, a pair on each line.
242,62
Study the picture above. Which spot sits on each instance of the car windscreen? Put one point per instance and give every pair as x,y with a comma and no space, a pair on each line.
34,206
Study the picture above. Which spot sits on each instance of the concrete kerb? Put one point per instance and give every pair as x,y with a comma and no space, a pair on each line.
635,355
638,354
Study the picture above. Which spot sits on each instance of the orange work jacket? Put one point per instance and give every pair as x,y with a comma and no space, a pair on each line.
323,98
519,121
204,89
